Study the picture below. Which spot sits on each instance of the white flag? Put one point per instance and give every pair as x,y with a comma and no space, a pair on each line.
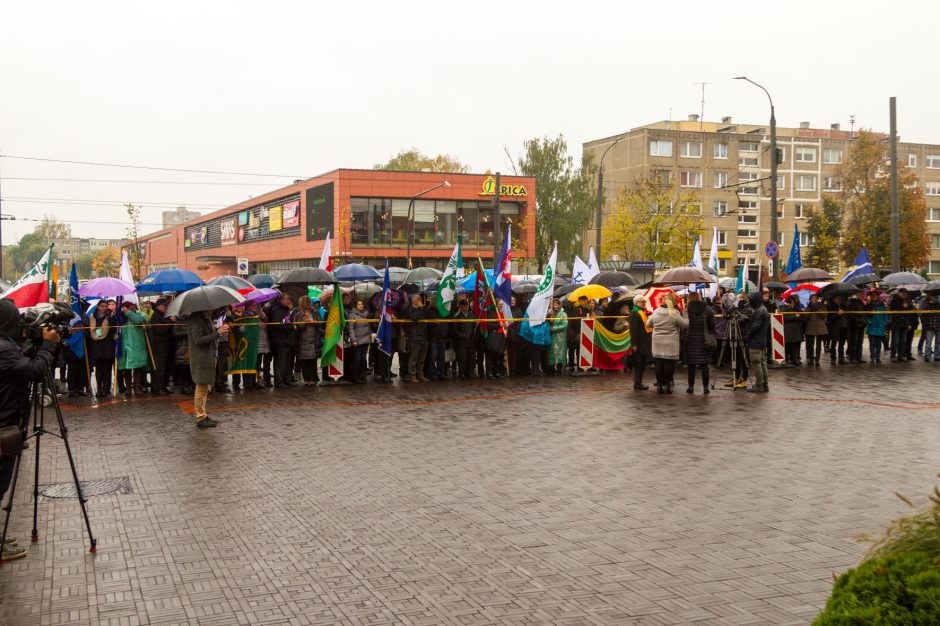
580,273
447,288
326,259
127,277
696,260
713,263
538,305
593,265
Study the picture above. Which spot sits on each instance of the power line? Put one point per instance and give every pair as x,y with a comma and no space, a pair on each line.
70,221
135,182
91,202
145,167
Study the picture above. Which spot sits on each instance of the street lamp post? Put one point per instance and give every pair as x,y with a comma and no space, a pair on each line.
411,216
600,200
775,262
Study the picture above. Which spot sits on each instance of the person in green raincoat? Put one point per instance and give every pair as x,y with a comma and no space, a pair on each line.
135,354
558,351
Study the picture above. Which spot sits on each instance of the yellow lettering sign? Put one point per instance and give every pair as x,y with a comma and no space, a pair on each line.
515,191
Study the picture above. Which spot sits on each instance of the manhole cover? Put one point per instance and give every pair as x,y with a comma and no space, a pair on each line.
90,488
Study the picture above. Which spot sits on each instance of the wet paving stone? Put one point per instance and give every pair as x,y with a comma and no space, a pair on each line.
570,500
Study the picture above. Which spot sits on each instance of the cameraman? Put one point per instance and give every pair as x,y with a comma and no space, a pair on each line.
16,371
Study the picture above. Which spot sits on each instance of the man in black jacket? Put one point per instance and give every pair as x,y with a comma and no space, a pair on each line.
756,342
461,334
282,335
163,346
16,372
417,339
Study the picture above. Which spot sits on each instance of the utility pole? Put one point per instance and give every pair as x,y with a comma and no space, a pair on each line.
599,218
895,217
496,229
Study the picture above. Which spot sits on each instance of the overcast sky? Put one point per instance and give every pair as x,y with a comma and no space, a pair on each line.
299,88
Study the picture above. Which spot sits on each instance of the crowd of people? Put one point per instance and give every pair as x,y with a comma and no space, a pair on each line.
279,344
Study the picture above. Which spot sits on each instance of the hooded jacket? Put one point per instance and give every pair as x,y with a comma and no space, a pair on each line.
17,369
756,337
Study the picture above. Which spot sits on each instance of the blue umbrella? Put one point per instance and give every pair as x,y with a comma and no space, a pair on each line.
169,280
470,281
265,281
356,272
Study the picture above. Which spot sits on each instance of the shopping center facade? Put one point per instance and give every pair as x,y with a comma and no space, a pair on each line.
369,215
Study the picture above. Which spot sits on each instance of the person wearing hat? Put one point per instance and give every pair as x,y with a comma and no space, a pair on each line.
17,370
162,343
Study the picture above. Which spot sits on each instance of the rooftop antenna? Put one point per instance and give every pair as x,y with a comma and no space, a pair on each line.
852,124
701,119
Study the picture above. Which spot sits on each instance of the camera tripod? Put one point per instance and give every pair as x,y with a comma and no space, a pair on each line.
39,390
734,340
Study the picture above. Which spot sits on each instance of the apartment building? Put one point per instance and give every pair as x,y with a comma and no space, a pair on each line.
67,249
728,165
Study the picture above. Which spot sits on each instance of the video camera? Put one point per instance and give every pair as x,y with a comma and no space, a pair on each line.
56,315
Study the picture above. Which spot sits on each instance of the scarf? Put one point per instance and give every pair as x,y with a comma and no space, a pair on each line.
643,316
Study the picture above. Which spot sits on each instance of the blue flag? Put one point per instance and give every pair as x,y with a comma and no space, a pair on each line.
861,265
77,341
384,332
795,261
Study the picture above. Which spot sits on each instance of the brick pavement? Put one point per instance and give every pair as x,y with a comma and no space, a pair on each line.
563,501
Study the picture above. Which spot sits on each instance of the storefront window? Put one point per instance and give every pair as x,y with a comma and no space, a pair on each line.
359,221
399,221
487,224
445,222
508,214
424,222
468,217
381,211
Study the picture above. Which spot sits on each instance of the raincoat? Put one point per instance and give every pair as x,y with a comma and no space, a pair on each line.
134,352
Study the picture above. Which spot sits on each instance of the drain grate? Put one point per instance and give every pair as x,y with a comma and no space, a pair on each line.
90,488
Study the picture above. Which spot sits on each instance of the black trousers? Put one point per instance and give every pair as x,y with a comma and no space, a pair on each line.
494,362
264,366
837,343
308,369
814,344
163,361
639,369
77,378
855,338
704,368
103,373
665,371
793,352
282,365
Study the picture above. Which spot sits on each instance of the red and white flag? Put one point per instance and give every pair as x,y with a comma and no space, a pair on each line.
33,287
326,259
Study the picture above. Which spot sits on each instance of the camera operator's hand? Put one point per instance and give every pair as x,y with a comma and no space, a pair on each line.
50,334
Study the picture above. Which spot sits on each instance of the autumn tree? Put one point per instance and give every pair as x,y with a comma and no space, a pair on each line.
135,256
824,230
83,264
50,229
416,161
865,202
563,196
107,262
653,220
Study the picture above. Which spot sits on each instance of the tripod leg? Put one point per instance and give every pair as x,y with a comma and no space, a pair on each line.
38,431
9,507
64,433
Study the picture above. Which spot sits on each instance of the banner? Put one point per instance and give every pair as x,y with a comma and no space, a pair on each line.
127,277
275,219
243,346
607,348
228,231
447,288
326,259
335,324
292,214
538,305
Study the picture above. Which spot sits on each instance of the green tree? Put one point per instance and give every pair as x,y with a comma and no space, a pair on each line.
866,207
824,230
563,196
107,262
416,161
653,220
26,252
83,264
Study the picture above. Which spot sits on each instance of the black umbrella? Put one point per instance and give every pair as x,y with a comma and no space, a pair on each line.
306,276
775,286
904,278
614,278
837,289
525,287
564,290
204,298
263,280
933,287
864,279
807,275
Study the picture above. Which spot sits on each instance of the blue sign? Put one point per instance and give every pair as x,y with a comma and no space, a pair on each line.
771,249
643,265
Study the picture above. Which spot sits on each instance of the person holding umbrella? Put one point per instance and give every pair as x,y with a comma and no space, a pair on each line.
101,332
203,339
698,354
877,325
857,323
161,335
900,306
667,322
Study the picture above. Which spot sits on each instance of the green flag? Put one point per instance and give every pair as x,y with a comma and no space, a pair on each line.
448,287
243,345
335,325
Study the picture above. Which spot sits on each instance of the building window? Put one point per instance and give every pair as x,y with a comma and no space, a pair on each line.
933,188
722,238
694,208
801,211
781,182
806,240
690,179
721,180
832,183
747,219
935,240
722,265
720,208
720,150
663,176
747,204
660,147
780,212
933,161
781,239
832,155
748,161
691,149
359,221
911,160
933,215
805,183
747,247
750,260
747,233
805,155
748,146
934,268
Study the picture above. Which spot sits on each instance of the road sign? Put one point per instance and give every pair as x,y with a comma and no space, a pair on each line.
243,267
771,249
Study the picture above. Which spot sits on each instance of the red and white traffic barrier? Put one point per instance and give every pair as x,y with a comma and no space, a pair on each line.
776,338
586,352
336,367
